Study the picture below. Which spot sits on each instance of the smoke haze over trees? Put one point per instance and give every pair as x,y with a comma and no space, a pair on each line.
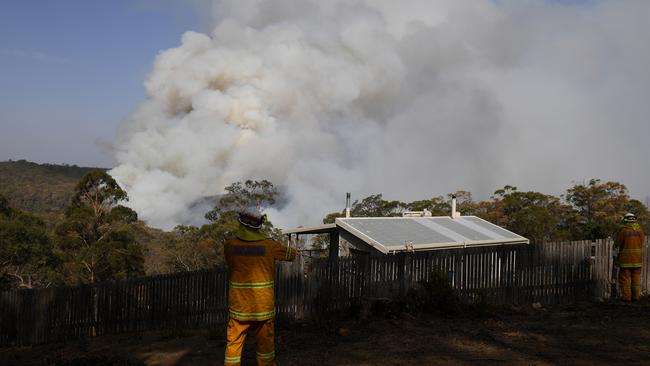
585,211
96,238
404,98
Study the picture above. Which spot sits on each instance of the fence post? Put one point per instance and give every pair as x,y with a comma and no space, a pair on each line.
334,247
645,283
299,271
505,274
365,278
611,275
401,274
333,264
592,271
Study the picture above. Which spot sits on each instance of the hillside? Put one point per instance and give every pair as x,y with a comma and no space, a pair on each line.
40,188
45,190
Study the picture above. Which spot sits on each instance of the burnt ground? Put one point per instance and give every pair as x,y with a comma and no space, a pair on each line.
587,334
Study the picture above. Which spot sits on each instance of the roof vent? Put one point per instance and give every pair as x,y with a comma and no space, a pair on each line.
423,213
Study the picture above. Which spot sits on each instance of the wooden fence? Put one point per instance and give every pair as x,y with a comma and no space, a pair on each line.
551,273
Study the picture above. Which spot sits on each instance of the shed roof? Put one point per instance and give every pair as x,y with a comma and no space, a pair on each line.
320,229
394,234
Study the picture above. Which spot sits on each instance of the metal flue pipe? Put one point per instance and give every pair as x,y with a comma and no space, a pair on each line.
454,214
347,204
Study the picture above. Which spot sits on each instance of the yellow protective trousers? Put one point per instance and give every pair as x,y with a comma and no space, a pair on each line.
264,333
629,279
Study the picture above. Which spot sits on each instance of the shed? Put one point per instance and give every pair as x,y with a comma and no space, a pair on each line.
390,235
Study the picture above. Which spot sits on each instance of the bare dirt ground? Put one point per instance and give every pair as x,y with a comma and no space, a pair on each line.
589,334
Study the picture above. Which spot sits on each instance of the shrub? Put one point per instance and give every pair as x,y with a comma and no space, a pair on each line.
434,296
482,306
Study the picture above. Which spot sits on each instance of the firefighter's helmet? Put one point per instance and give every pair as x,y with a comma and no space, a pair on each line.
251,217
629,217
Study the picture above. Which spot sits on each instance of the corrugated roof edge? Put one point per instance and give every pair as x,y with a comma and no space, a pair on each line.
320,229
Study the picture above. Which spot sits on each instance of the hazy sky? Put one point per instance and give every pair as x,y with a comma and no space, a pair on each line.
419,98
72,70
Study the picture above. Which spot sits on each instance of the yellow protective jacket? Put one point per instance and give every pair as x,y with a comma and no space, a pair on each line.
251,270
629,241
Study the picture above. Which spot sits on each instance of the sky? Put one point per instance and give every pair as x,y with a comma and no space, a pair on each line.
72,70
410,99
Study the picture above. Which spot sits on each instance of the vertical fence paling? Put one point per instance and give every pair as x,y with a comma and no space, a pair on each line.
550,273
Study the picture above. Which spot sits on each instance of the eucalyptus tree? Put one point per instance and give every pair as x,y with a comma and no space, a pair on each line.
95,239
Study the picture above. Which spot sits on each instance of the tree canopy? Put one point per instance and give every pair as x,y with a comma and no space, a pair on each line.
586,211
535,215
598,207
26,257
238,196
95,237
191,248
224,216
94,240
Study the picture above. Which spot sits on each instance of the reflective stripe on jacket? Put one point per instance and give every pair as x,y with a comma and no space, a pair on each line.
251,269
629,241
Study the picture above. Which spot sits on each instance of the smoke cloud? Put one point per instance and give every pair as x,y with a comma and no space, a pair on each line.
411,99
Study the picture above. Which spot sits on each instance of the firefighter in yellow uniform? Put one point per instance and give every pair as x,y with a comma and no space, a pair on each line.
251,299
629,242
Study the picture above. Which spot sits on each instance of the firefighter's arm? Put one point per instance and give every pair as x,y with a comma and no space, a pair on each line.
620,237
642,239
282,252
226,253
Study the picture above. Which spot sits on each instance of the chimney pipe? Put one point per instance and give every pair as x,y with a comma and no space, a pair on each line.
347,204
454,214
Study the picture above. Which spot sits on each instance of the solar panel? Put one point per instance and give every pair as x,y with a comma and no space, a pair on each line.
391,234
490,226
458,226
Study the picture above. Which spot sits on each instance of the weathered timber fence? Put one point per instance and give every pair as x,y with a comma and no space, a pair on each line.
550,273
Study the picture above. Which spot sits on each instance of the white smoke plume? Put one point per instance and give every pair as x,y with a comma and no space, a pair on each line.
408,98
